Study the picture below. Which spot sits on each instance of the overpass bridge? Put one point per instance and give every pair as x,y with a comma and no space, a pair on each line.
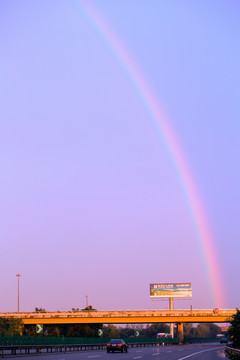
122,317
178,317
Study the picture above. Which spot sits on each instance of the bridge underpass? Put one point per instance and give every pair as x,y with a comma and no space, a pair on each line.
178,317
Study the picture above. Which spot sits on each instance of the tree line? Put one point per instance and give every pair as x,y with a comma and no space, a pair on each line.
16,327
11,327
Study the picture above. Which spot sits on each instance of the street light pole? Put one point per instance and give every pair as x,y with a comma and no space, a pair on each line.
18,276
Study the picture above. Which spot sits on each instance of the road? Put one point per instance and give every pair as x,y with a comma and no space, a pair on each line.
175,352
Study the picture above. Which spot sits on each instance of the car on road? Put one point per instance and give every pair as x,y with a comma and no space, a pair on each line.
117,345
223,340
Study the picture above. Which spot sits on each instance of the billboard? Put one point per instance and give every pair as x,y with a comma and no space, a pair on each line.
182,290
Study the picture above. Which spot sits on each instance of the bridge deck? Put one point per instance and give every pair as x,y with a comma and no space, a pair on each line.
123,317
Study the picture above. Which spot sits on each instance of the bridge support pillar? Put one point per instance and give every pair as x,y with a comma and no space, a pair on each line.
171,324
180,332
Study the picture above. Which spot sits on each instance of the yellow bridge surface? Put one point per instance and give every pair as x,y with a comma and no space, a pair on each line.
123,317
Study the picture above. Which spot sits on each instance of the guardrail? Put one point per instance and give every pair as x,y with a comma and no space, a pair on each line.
10,350
8,340
200,340
231,351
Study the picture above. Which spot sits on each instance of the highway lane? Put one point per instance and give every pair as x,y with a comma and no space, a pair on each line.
177,352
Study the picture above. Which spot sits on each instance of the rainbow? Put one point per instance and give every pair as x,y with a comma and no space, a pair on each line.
159,119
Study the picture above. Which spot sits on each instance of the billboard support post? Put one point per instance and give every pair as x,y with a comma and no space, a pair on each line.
170,291
171,324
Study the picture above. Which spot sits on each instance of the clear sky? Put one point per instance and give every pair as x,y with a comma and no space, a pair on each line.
91,199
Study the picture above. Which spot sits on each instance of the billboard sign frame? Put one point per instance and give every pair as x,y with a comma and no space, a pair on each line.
168,290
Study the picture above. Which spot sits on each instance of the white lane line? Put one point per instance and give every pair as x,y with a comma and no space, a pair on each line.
196,353
137,357
155,354
139,351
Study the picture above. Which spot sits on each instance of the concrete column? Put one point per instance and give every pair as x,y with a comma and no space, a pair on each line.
171,325
180,332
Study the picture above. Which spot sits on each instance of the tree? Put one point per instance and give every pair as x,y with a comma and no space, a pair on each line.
15,327
234,330
82,330
3,326
30,330
203,330
53,331
213,330
89,308
127,332
152,330
111,331
11,326
39,309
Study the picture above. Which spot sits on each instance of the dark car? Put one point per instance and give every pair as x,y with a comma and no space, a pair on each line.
223,340
117,345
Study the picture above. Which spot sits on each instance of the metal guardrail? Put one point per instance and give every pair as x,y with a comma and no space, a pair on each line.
8,340
11,350
17,340
232,351
37,349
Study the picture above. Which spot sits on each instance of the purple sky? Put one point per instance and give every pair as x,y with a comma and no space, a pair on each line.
90,201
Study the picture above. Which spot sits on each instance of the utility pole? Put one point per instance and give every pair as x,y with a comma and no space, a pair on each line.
18,276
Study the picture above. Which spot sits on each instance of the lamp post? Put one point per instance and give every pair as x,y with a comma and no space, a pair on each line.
18,276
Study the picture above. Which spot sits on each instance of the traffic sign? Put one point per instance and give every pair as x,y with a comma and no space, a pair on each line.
100,332
39,329
137,333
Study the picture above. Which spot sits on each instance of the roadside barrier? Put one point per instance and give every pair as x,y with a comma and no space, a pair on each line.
6,350
54,340
231,351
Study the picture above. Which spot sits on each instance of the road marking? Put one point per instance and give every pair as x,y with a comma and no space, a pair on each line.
137,357
139,351
196,353
93,356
